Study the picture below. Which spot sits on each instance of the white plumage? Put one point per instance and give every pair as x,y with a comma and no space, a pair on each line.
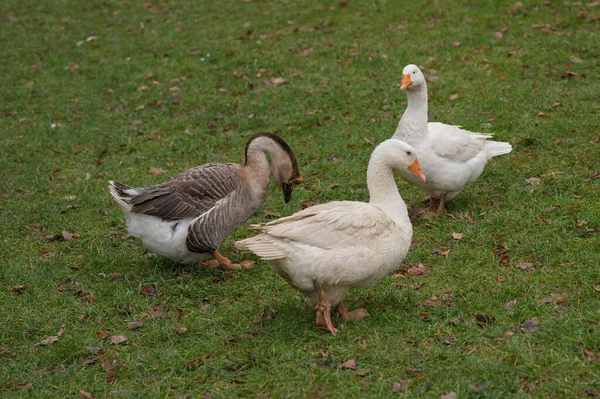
325,250
451,157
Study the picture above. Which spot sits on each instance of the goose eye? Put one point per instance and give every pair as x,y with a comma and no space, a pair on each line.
408,153
414,72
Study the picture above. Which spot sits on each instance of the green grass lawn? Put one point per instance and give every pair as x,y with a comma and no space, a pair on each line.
138,92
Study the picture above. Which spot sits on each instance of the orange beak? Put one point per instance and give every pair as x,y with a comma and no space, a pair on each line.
405,81
298,180
416,169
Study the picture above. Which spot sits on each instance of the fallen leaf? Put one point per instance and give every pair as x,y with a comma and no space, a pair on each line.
205,307
525,265
50,340
67,236
440,251
533,181
449,395
85,394
267,314
400,385
114,276
597,286
554,297
419,270
276,81
483,319
418,286
510,304
134,325
530,325
148,290
142,88
457,236
118,340
363,373
93,349
157,171
349,364
136,122
102,334
542,114
453,97
247,264
180,330
308,203
17,289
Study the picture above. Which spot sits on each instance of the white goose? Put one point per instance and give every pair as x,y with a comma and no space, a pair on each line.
451,157
325,250
186,218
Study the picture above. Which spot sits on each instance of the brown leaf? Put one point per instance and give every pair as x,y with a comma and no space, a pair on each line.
134,325
483,319
173,89
142,88
349,364
363,372
115,276
453,97
510,304
308,203
50,340
418,286
525,265
205,307
554,297
67,236
85,394
180,330
457,236
17,289
268,314
597,286
533,181
275,81
449,395
102,334
118,340
440,251
419,270
401,385
247,264
530,325
136,122
542,114
157,171
148,290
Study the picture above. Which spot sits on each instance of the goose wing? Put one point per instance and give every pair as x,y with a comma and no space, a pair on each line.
455,144
331,226
189,194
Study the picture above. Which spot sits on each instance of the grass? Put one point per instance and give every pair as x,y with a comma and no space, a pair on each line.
78,76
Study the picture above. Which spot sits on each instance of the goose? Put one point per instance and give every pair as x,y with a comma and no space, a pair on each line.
325,250
186,218
451,157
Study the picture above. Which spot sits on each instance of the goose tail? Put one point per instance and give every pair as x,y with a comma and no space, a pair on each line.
496,148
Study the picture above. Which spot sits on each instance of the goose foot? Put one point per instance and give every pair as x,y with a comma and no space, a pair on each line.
221,261
356,314
324,313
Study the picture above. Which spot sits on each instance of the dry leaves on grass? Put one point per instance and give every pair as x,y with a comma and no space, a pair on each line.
530,325
510,304
134,325
119,340
85,395
52,339
525,265
17,289
401,385
349,364
157,171
180,330
419,270
484,319
533,181
457,236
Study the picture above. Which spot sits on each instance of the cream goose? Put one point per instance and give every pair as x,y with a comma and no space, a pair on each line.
187,217
450,157
325,250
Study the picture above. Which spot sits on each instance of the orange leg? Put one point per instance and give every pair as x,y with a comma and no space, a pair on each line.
324,312
440,210
223,261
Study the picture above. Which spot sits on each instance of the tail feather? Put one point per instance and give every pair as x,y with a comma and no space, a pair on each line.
122,194
263,248
495,148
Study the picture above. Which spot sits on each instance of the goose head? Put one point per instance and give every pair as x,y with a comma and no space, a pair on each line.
412,78
284,167
402,157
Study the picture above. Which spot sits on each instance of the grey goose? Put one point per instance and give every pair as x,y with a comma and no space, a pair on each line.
186,218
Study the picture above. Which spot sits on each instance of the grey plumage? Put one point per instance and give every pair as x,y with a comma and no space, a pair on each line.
211,200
